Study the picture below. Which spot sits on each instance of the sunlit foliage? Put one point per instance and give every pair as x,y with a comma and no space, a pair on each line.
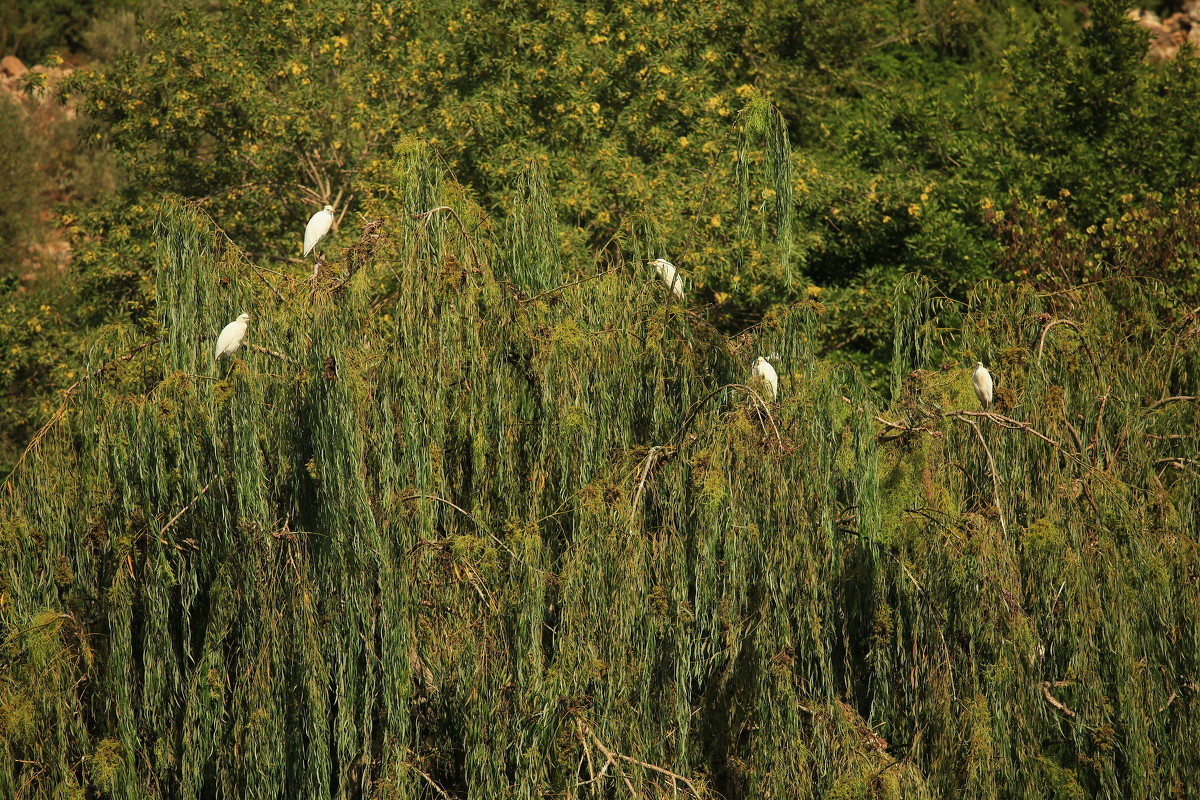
439,531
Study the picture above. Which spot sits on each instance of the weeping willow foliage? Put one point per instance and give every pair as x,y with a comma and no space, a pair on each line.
437,535
762,121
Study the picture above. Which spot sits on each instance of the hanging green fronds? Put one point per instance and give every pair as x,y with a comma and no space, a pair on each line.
430,537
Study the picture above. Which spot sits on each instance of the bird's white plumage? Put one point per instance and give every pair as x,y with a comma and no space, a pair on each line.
318,225
231,336
982,381
670,276
766,373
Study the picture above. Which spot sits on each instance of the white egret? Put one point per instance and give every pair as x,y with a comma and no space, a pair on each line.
231,336
766,373
670,276
318,225
982,381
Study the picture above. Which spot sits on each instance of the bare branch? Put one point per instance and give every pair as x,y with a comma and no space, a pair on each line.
568,285
1045,330
1004,422
612,759
260,349
183,511
654,451
1179,398
425,215
612,756
1058,704
992,467
1096,433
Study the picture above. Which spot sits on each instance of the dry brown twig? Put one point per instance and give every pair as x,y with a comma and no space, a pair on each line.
1052,700
568,285
321,191
1179,398
1004,422
650,458
183,511
614,756
1096,433
70,392
1046,329
992,467
266,352
762,404
425,215
904,429
431,781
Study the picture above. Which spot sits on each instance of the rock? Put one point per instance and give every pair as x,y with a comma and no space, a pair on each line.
11,65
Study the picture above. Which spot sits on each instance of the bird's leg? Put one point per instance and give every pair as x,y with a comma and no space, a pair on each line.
316,268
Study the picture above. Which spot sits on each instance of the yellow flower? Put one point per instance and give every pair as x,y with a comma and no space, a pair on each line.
813,291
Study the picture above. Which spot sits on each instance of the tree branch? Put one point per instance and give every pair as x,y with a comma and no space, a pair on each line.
1179,398
183,511
992,466
1052,700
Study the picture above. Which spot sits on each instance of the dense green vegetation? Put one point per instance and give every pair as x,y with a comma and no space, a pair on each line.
483,512
910,125
436,535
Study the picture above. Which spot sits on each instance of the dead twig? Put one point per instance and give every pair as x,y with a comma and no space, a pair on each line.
904,428
1096,433
637,496
612,760
614,756
568,285
763,404
431,782
68,394
183,511
1179,398
992,467
587,751
1046,329
260,349
695,409
1053,701
1177,463
1004,422
425,215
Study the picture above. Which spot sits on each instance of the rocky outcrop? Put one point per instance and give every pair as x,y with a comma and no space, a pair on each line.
15,76
12,67
1171,32
44,119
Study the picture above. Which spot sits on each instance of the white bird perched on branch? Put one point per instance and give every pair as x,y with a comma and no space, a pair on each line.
982,381
318,225
670,276
766,373
231,336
